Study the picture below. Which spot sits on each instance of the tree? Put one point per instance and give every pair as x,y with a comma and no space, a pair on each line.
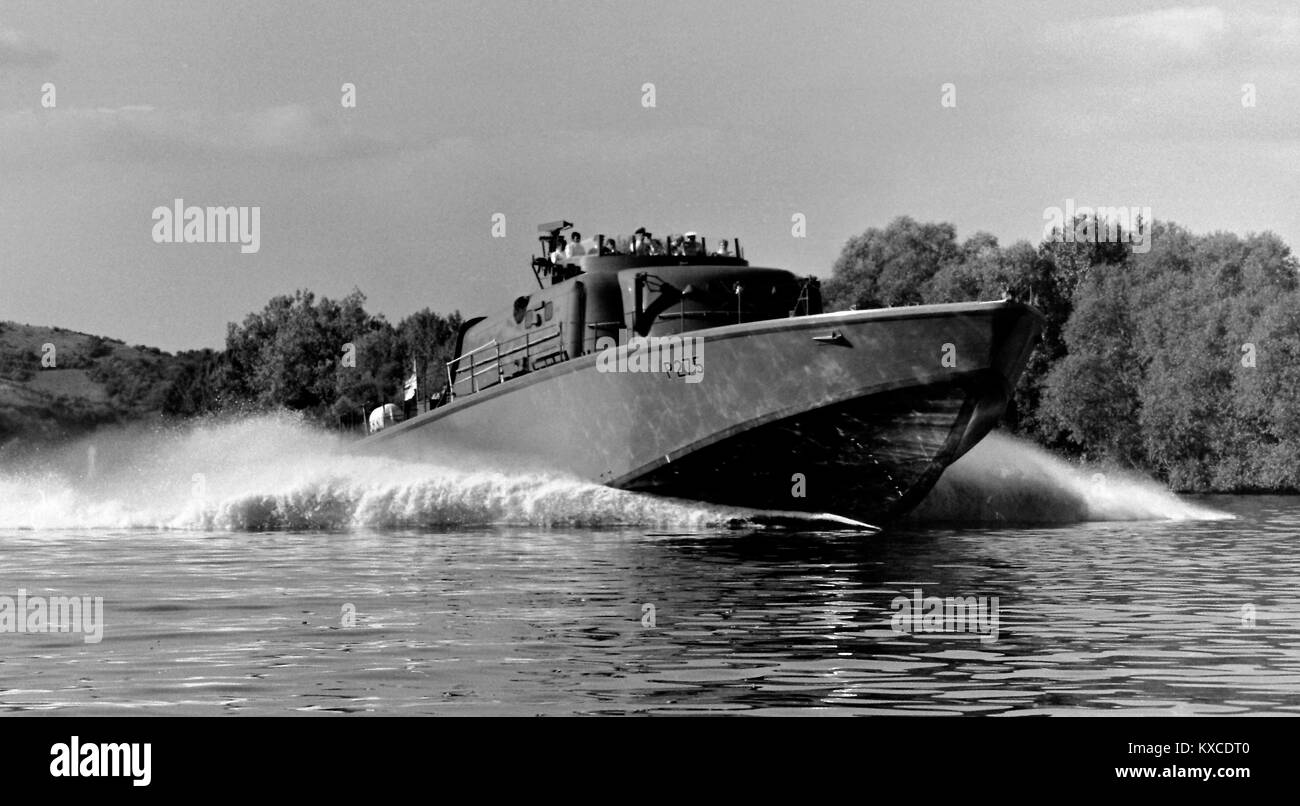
882,268
429,339
292,354
1092,392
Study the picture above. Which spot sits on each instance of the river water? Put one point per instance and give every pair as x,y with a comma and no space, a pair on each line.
247,569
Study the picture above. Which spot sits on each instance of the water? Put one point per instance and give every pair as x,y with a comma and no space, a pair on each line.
289,579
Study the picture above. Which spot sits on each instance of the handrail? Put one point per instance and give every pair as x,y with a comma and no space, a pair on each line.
528,343
496,361
475,350
695,314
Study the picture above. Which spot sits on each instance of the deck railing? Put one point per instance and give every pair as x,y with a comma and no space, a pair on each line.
491,358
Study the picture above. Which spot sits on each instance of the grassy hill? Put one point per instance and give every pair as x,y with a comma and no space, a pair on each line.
93,381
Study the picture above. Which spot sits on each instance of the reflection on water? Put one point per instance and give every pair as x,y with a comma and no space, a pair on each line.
1135,618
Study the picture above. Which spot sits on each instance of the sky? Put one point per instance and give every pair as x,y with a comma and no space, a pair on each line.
536,111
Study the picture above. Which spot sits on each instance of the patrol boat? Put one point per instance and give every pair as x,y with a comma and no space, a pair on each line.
667,369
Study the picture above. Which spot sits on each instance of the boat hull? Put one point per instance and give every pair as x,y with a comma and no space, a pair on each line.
854,413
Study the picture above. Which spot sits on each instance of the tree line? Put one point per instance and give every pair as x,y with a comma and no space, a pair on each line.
330,359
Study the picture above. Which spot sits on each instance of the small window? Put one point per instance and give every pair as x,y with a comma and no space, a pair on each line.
521,308
549,311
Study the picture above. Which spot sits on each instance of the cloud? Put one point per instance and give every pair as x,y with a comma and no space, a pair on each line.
18,50
144,134
1184,30
1172,75
1176,38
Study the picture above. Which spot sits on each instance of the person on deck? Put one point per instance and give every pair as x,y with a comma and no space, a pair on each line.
640,242
575,247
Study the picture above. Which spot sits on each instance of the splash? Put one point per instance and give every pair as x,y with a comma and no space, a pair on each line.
1004,479
275,472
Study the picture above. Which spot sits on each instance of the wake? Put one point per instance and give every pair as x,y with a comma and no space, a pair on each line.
274,472
1007,480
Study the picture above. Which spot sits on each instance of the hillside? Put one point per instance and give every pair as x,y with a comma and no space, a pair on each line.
93,381
287,356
